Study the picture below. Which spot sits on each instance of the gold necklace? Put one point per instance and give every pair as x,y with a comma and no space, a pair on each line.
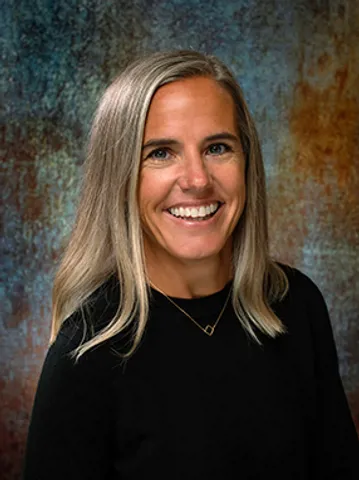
209,329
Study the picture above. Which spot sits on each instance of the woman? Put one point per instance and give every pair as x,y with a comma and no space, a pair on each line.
180,350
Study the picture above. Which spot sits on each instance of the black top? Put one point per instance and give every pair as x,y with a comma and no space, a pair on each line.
189,406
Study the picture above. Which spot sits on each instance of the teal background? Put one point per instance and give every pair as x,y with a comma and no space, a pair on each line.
298,64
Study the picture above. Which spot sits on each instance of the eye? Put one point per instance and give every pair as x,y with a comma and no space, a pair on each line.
218,149
159,154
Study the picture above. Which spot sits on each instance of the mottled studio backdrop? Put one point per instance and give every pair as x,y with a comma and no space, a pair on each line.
298,63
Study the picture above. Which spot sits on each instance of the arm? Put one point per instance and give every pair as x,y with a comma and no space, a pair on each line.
69,434
337,447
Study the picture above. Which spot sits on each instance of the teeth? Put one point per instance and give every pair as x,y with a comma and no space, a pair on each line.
194,212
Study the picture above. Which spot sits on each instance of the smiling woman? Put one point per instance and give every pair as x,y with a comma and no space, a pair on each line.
192,186
170,247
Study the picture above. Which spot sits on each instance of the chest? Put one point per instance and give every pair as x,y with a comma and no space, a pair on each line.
187,403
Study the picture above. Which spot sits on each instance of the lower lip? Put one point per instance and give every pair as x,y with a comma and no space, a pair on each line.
196,223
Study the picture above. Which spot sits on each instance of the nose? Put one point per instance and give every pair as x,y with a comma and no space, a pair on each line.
194,173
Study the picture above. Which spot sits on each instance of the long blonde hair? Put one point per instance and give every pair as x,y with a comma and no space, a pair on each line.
107,236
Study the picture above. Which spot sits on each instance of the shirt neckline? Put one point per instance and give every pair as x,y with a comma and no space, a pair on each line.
207,306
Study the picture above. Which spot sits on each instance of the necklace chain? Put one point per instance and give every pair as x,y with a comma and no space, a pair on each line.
209,329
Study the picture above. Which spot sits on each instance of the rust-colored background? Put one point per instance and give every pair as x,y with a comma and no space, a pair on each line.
298,63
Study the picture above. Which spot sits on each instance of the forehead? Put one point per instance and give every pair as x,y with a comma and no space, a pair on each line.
191,104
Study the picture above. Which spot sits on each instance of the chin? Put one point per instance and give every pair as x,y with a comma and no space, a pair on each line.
199,252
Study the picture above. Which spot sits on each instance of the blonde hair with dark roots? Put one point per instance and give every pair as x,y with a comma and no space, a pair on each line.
107,236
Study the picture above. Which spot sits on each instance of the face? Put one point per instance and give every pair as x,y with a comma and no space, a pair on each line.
192,180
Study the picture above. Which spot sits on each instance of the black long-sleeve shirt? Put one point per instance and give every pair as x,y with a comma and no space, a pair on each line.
189,406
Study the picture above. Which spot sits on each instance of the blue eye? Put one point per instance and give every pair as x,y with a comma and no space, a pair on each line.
159,154
217,149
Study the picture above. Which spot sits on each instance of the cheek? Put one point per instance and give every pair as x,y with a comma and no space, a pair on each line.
144,194
151,192
154,186
147,187
234,182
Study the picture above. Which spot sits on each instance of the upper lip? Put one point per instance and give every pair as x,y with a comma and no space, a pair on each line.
194,204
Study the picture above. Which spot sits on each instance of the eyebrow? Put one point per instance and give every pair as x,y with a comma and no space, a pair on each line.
160,142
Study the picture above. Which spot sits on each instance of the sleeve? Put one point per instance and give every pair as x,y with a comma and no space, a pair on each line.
69,433
336,440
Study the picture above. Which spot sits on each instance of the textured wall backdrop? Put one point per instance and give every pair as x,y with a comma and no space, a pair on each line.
298,63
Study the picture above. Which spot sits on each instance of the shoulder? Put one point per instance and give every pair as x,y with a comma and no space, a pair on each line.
301,289
305,315
303,309
94,315
60,362
75,400
309,335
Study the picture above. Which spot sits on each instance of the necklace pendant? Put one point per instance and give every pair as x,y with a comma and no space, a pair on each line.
209,330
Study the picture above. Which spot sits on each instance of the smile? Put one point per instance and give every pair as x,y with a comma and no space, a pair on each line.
198,213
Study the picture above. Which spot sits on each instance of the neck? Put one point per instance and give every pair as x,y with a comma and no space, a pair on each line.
190,279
